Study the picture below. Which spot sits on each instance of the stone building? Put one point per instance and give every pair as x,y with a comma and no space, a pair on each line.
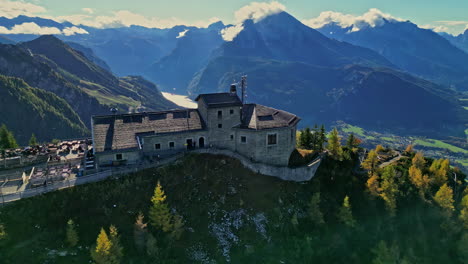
222,121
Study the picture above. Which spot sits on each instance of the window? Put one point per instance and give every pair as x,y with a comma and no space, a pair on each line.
220,125
171,144
220,114
231,111
272,139
232,137
243,139
118,156
157,146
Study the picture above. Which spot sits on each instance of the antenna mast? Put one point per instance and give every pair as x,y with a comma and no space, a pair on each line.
244,87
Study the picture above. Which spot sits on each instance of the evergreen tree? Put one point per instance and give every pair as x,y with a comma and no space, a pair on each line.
444,198
116,250
373,185
315,138
101,253
3,232
384,254
72,235
159,214
33,140
345,214
315,214
177,227
334,145
370,163
152,249
352,142
322,137
464,211
7,140
307,138
389,189
140,232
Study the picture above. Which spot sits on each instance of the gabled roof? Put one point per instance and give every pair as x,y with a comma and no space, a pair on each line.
258,117
119,132
219,99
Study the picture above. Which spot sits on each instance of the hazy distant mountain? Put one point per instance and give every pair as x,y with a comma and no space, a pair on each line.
4,40
90,55
28,110
191,53
129,50
419,51
374,98
461,41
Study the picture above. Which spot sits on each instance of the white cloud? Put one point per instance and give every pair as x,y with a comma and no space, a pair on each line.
182,33
11,9
258,10
373,18
125,18
231,32
435,28
33,28
69,31
88,10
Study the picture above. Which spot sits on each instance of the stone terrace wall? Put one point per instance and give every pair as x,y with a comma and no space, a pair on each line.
285,173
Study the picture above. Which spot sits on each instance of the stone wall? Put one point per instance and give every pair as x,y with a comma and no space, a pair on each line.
132,157
300,174
179,139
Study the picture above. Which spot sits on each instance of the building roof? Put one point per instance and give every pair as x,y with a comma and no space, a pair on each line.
258,117
220,99
119,132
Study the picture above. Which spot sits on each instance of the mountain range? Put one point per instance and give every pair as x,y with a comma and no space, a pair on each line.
49,64
421,52
388,77
461,41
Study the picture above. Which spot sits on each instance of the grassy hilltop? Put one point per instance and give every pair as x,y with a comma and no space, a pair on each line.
231,214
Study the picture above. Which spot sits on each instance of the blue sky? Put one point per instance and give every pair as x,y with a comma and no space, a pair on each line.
447,15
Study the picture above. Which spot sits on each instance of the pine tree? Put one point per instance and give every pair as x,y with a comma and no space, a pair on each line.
370,163
159,214
33,140
177,227
101,253
322,137
7,140
152,249
418,160
334,145
384,254
116,250
464,211
315,138
3,232
345,214
307,142
444,198
352,142
140,232
389,189
315,214
373,185
72,235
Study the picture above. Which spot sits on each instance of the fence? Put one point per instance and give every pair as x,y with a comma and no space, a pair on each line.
95,177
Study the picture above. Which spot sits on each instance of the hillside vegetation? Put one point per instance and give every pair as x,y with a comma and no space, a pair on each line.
27,110
230,214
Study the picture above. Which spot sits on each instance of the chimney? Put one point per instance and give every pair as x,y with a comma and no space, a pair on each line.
233,89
